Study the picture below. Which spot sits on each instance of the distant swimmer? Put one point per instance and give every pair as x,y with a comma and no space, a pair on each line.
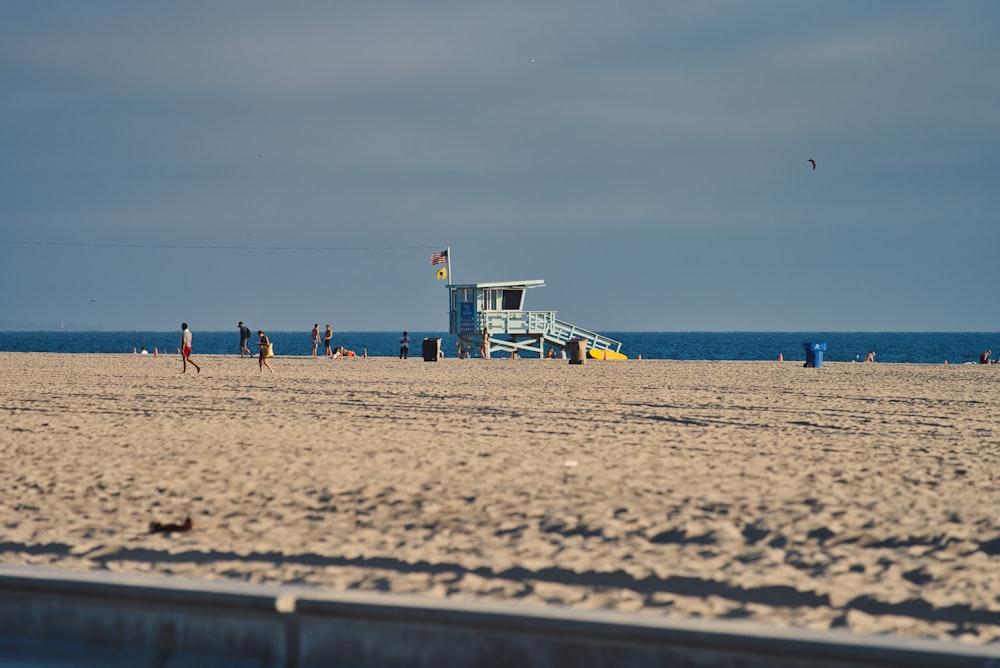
810,160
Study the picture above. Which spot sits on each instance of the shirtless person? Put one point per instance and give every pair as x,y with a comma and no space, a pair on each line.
484,350
327,339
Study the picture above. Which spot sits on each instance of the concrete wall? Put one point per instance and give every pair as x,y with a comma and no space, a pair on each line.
63,618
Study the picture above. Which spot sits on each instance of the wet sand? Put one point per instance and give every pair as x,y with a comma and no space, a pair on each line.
858,497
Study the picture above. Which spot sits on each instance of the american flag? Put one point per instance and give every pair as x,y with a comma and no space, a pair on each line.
439,257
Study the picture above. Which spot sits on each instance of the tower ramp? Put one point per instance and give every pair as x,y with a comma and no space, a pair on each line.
560,333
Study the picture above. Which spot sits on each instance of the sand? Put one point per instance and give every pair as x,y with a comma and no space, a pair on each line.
862,498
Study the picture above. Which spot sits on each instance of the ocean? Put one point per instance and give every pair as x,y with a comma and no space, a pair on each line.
899,347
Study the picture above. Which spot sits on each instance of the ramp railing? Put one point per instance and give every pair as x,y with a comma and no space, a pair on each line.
545,325
560,332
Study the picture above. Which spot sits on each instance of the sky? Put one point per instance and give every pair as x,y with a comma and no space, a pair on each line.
298,162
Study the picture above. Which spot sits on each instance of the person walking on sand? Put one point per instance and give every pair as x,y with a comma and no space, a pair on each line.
264,352
404,346
315,338
327,340
186,348
244,340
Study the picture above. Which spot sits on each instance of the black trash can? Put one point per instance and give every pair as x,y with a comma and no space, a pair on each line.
814,354
577,351
432,349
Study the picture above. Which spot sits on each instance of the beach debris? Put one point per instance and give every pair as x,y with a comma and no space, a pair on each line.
160,527
571,464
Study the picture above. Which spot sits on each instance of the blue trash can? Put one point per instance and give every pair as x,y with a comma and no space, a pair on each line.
814,354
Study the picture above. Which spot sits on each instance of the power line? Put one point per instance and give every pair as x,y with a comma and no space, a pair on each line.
214,246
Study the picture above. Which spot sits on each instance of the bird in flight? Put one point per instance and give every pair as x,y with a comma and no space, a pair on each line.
813,163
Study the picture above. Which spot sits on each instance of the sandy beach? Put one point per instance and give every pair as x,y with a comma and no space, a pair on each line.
863,498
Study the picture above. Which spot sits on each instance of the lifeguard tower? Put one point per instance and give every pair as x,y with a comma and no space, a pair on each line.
498,308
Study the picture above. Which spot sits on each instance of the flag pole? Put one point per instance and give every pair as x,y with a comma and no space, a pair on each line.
447,255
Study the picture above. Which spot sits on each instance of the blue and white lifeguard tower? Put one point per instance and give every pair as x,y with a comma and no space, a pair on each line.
498,308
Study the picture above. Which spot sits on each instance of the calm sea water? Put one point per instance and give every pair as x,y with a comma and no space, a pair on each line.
910,347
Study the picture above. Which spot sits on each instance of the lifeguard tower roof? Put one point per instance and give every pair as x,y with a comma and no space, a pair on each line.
533,283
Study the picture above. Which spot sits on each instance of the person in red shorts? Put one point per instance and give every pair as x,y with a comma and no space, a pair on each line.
186,348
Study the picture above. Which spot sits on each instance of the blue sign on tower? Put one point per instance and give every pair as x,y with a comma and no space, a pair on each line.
467,318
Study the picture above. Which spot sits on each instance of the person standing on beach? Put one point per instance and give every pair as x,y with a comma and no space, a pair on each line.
315,338
484,350
264,348
244,340
404,346
327,339
186,348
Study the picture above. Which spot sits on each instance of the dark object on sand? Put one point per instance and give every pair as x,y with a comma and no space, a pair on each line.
158,527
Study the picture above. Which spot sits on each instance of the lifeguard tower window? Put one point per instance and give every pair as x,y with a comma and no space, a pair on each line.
512,300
